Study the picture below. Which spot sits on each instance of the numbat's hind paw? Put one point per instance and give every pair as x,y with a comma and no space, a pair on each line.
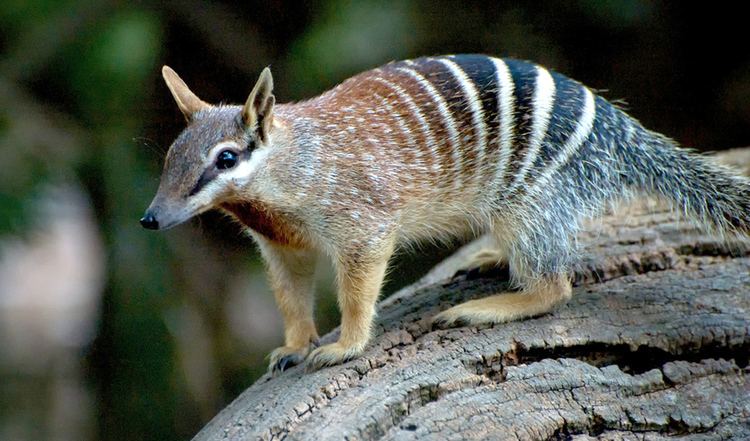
538,299
484,261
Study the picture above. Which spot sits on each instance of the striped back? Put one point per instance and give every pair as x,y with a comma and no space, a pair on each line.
476,122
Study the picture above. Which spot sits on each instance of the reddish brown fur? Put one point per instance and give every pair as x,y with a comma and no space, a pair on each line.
432,114
273,225
359,90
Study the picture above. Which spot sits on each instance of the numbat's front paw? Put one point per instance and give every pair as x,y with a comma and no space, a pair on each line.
285,357
330,355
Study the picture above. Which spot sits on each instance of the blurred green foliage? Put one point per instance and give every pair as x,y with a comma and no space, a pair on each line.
100,77
84,105
363,30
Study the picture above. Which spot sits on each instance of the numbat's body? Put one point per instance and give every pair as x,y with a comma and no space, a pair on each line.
424,150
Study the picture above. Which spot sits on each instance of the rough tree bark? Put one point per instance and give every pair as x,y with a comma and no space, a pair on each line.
654,345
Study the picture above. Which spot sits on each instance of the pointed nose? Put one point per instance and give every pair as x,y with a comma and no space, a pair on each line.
149,221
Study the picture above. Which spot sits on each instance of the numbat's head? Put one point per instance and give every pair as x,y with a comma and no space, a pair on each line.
218,153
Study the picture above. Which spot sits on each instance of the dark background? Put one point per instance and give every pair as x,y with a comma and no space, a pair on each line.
108,331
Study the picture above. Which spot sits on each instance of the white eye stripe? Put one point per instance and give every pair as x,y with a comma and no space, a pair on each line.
220,147
242,172
237,176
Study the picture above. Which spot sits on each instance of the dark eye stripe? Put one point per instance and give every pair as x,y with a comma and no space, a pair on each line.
207,176
212,172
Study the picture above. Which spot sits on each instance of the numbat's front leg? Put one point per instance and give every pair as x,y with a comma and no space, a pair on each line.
291,273
359,286
535,299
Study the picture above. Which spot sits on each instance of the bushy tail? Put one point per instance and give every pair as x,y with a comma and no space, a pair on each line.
706,191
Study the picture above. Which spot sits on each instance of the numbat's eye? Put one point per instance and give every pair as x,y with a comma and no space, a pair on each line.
226,159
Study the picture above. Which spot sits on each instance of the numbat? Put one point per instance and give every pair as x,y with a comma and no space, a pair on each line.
424,150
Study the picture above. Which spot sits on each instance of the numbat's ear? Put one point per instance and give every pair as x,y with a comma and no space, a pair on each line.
186,100
258,110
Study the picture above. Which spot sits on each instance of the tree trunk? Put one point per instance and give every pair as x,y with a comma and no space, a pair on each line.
653,345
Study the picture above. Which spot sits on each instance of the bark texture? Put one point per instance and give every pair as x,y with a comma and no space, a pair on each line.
654,345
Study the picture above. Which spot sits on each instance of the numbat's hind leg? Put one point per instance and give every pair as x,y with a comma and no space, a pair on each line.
489,258
536,299
484,261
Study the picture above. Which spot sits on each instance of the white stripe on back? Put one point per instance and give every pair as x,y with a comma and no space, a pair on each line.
406,131
505,102
423,124
448,120
472,96
543,101
574,142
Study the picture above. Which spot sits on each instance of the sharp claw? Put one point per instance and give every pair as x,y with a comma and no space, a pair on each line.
285,362
440,323
461,321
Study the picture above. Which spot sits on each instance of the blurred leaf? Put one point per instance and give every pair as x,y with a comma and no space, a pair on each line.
350,36
109,65
20,14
